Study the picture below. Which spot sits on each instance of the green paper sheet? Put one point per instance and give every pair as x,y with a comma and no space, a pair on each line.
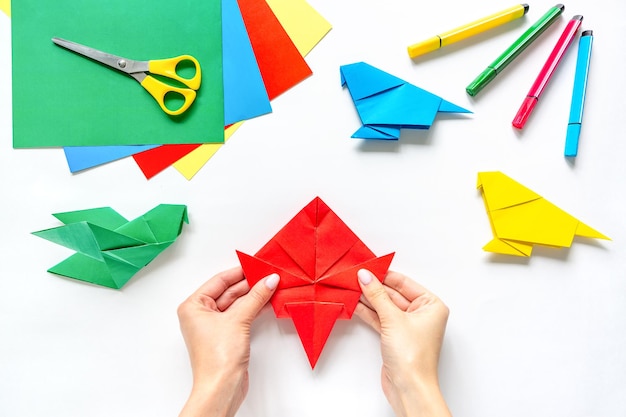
109,248
63,99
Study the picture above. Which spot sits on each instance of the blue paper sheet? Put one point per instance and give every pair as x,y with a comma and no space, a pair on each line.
245,96
84,157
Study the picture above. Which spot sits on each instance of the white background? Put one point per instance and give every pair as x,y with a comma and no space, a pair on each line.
544,336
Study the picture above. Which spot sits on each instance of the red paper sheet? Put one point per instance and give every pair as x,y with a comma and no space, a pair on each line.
280,63
317,257
155,160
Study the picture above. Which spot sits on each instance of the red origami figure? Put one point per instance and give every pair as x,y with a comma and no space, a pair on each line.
317,257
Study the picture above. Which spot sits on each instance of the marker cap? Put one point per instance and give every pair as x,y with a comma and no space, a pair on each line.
524,111
482,80
424,47
571,140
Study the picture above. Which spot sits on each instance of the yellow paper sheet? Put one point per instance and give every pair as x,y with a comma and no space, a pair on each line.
190,164
5,6
306,28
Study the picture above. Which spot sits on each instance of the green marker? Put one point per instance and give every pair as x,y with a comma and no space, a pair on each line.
514,50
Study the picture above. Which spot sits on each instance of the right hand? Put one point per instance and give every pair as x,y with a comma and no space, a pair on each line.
411,322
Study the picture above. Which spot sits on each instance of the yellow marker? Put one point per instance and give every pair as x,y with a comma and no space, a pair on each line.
468,30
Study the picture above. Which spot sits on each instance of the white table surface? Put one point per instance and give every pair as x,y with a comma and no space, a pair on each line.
544,336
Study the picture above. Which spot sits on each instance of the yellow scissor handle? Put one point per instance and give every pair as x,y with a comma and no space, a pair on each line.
167,68
159,90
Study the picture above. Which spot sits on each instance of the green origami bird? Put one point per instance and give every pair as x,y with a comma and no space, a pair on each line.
111,249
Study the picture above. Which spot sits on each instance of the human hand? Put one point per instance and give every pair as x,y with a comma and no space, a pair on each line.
411,322
215,322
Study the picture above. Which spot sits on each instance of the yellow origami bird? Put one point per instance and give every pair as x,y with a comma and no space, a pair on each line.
520,218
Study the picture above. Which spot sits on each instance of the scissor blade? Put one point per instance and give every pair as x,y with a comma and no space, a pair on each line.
128,66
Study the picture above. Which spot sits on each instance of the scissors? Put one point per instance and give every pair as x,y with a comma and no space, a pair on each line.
140,71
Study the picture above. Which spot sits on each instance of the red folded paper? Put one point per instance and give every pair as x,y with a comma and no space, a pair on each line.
317,257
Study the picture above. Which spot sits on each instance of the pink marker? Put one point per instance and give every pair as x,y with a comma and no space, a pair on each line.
546,72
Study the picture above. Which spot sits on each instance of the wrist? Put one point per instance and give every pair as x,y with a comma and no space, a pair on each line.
214,396
421,397
208,380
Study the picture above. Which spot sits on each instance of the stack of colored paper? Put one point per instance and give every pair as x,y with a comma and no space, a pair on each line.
250,51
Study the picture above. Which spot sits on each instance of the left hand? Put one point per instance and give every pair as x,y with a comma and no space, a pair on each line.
215,322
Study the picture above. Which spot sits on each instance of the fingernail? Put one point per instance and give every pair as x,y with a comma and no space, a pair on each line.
365,276
272,281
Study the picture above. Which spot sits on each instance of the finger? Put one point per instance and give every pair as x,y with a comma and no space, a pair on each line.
249,305
375,293
364,301
398,299
189,308
404,285
424,301
231,294
219,283
368,315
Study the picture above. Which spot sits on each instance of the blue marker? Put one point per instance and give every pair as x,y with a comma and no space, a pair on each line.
578,95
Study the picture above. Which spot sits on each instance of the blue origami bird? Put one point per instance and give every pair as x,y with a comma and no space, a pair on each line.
387,104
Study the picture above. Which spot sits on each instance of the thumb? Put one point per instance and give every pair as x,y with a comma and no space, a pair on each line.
374,292
251,304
